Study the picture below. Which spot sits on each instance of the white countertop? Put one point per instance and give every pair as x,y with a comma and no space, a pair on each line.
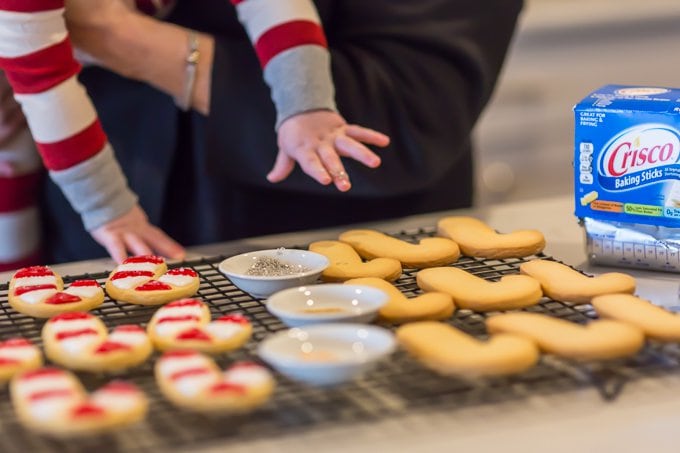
644,417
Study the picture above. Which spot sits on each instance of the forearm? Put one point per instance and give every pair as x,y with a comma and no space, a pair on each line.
148,50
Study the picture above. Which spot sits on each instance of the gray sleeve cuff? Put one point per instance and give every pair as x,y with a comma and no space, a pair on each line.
300,81
96,188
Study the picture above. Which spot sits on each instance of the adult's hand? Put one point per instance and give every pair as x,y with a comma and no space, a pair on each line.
133,233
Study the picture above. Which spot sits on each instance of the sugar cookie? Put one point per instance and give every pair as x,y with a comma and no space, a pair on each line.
476,238
345,263
597,340
193,381
428,252
451,351
18,355
39,292
54,402
79,341
561,282
656,322
146,280
185,324
400,309
475,293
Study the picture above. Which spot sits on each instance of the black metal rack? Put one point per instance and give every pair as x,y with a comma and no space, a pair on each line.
396,386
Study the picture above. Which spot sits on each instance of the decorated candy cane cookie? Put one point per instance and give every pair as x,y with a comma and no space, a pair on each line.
39,292
146,280
79,341
193,381
53,401
345,263
185,324
400,309
427,253
478,294
18,355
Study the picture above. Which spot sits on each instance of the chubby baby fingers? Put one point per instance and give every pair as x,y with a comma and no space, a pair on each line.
366,135
349,147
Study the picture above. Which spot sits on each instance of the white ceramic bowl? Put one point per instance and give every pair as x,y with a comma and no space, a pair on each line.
313,304
327,354
310,264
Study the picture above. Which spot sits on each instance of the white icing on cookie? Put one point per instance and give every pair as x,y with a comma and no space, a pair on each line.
85,292
177,280
223,330
129,282
31,281
34,297
116,401
174,327
79,344
128,338
68,325
49,408
248,375
171,365
137,267
185,310
27,387
21,353
194,384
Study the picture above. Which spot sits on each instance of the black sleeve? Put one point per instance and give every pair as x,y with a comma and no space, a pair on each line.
418,70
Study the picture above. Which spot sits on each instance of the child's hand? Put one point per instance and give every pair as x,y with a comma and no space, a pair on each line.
316,140
132,232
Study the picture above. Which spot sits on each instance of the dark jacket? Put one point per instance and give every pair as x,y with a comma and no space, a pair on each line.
418,70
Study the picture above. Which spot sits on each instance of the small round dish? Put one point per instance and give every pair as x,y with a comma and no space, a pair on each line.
262,273
327,354
333,302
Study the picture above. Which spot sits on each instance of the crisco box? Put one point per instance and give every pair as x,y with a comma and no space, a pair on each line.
626,152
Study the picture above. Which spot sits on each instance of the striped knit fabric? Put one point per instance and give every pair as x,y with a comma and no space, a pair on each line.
19,222
36,55
291,46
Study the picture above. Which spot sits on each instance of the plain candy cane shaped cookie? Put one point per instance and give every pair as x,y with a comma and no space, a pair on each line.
80,341
146,280
54,402
39,292
450,351
597,340
656,322
193,381
477,294
561,282
476,238
428,252
399,309
16,356
345,263
186,324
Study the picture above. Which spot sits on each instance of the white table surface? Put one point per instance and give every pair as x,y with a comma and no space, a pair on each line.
645,417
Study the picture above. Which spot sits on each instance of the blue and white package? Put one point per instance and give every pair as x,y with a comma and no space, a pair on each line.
627,175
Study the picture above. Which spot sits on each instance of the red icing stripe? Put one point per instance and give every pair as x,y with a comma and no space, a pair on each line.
46,394
6,361
226,387
75,149
178,354
234,318
23,190
41,70
88,410
71,316
193,334
144,259
178,318
286,36
182,271
78,283
75,333
62,298
188,372
112,346
42,372
184,303
119,387
153,286
27,289
34,271
126,274
30,6
15,343
129,328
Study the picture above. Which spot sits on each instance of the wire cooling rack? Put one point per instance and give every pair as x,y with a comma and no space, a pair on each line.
394,387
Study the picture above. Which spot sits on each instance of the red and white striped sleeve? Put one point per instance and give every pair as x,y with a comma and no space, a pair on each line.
291,45
37,57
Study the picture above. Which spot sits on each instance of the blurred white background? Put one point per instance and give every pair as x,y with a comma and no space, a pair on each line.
563,50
